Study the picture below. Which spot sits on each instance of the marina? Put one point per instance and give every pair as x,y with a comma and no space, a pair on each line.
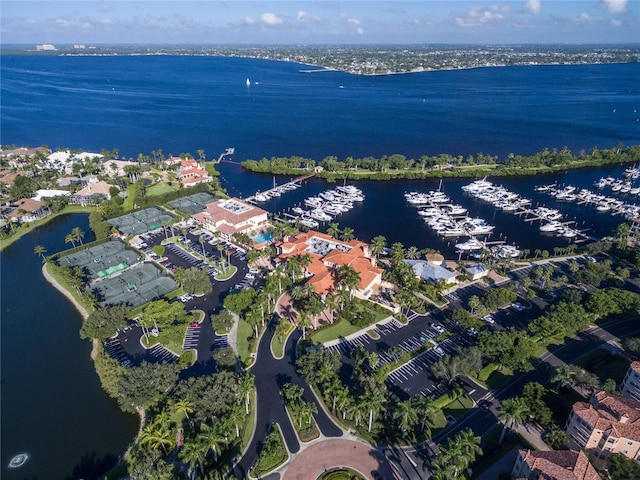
583,196
277,190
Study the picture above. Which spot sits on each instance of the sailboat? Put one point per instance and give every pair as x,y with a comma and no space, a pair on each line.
248,82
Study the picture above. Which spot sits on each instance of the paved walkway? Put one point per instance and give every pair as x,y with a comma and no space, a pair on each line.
505,464
311,462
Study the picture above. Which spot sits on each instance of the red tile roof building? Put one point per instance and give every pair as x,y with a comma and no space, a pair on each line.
553,465
189,171
27,210
229,216
327,255
607,424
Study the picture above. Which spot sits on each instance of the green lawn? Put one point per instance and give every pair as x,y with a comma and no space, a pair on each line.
458,407
244,333
131,197
159,188
340,329
499,377
226,274
74,293
604,365
272,455
172,338
277,346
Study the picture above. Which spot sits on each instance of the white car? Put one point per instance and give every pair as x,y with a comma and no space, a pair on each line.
438,350
437,327
488,319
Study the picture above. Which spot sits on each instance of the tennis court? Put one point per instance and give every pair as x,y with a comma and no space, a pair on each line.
193,203
141,221
101,260
134,287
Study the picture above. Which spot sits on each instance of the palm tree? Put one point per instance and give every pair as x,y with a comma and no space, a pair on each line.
293,267
279,272
562,375
78,234
347,234
406,416
474,304
245,388
333,230
212,438
332,302
235,416
378,244
70,239
514,412
307,409
341,400
156,436
220,249
427,408
185,406
304,322
349,278
413,253
357,412
194,453
373,402
39,250
201,240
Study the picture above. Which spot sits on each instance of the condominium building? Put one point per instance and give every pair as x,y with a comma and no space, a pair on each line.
631,384
553,465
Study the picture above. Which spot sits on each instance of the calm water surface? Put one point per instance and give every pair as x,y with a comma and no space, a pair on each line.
53,406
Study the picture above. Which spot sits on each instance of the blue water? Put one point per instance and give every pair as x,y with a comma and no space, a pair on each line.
181,104
263,237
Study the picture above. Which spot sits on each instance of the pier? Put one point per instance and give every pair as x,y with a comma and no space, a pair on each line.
277,190
226,155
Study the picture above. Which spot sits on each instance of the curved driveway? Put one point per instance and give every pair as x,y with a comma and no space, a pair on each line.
270,375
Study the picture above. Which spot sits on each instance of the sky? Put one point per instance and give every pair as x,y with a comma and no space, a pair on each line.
319,22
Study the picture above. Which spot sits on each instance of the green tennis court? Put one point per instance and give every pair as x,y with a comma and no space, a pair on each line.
142,221
193,203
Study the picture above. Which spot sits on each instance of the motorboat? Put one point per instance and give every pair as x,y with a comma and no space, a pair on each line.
469,245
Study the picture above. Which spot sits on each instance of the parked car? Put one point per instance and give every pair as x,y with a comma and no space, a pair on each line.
194,325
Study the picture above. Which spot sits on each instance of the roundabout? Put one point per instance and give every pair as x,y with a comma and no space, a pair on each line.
323,458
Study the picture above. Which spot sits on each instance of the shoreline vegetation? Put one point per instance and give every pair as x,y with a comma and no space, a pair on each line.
398,166
365,60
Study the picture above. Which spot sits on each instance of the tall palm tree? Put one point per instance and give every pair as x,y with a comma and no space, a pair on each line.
212,438
307,409
332,302
349,278
374,403
293,267
342,400
39,250
413,252
279,272
562,375
514,412
201,240
235,415
347,234
333,230
185,406
378,244
194,454
156,436
406,416
70,239
245,388
304,322
357,411
427,409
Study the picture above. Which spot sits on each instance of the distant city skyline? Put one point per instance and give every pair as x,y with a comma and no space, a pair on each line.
319,22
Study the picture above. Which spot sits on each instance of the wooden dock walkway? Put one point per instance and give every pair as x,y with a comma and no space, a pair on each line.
283,186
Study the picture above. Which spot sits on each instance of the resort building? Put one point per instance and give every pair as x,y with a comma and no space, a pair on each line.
633,237
92,194
631,384
607,424
431,272
189,171
328,254
64,161
229,216
26,210
476,272
553,465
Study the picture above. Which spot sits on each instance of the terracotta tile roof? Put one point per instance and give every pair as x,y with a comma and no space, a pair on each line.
635,366
29,205
7,177
560,465
100,188
323,280
617,416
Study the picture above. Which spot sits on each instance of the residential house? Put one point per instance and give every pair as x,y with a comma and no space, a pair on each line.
92,194
606,424
431,272
189,171
476,272
26,210
20,157
327,255
553,465
631,384
229,216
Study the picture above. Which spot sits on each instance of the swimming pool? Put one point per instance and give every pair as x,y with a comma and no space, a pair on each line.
263,237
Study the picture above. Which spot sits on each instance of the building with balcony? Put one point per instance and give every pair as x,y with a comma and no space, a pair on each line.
229,216
605,425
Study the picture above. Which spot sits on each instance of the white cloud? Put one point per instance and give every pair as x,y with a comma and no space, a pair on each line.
615,6
615,23
304,17
584,18
533,6
477,16
268,18
359,31
249,20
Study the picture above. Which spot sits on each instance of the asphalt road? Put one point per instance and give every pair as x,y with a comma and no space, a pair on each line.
270,375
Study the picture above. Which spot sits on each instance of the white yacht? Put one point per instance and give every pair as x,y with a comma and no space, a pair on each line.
469,245
550,226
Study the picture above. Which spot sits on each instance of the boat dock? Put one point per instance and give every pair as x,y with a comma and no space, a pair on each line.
277,190
226,155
